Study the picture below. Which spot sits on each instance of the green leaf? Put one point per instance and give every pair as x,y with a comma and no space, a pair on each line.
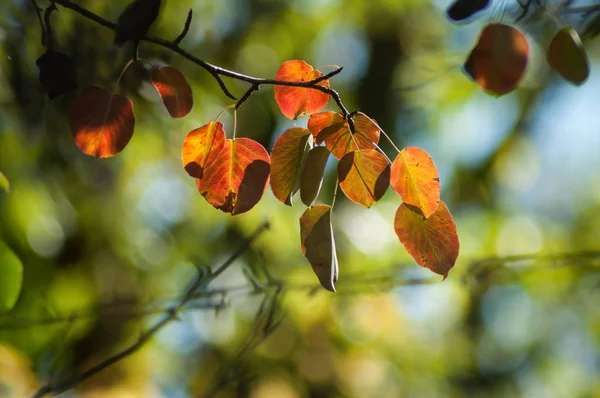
4,184
11,278
311,178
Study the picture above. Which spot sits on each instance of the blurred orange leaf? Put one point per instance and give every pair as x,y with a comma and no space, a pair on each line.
567,56
236,180
296,101
318,244
416,179
174,90
102,122
4,183
432,242
364,176
286,162
331,128
201,147
311,178
497,62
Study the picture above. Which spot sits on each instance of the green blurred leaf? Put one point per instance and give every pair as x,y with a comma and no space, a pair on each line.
11,278
4,184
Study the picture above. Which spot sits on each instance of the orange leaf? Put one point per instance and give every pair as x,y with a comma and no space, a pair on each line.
330,127
4,183
311,178
101,122
174,90
201,147
364,176
318,245
295,101
432,242
236,180
497,63
567,56
286,162
416,179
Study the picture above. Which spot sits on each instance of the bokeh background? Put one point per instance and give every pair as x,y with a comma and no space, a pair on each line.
107,244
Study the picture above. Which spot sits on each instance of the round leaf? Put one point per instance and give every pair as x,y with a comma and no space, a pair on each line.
497,62
416,179
174,90
567,56
135,21
286,162
432,242
57,73
311,178
236,180
318,244
296,101
102,122
11,278
364,176
201,147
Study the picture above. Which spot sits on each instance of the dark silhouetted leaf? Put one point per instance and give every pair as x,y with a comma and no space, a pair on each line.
135,21
311,178
463,9
201,147
497,63
102,122
296,101
236,180
318,244
432,242
286,162
567,56
416,179
364,176
174,90
57,73
11,278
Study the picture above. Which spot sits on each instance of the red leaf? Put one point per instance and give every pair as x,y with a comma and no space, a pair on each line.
432,242
498,61
416,179
201,147
286,162
364,176
311,178
101,122
318,244
174,90
567,56
236,180
296,101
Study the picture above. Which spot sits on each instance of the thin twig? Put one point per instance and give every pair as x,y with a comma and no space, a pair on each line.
38,11
186,28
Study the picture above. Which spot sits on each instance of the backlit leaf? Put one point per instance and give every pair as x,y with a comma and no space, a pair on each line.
318,244
497,62
331,128
286,162
432,242
11,278
4,183
364,176
135,21
311,178
57,73
296,101
463,9
174,90
416,179
101,122
567,56
236,180
201,147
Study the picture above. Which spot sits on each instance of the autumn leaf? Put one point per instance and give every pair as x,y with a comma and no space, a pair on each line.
311,178
287,161
11,278
174,90
463,9
135,21
432,242
4,183
416,179
236,180
318,244
57,73
101,122
330,127
497,62
296,101
364,176
567,56
201,147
